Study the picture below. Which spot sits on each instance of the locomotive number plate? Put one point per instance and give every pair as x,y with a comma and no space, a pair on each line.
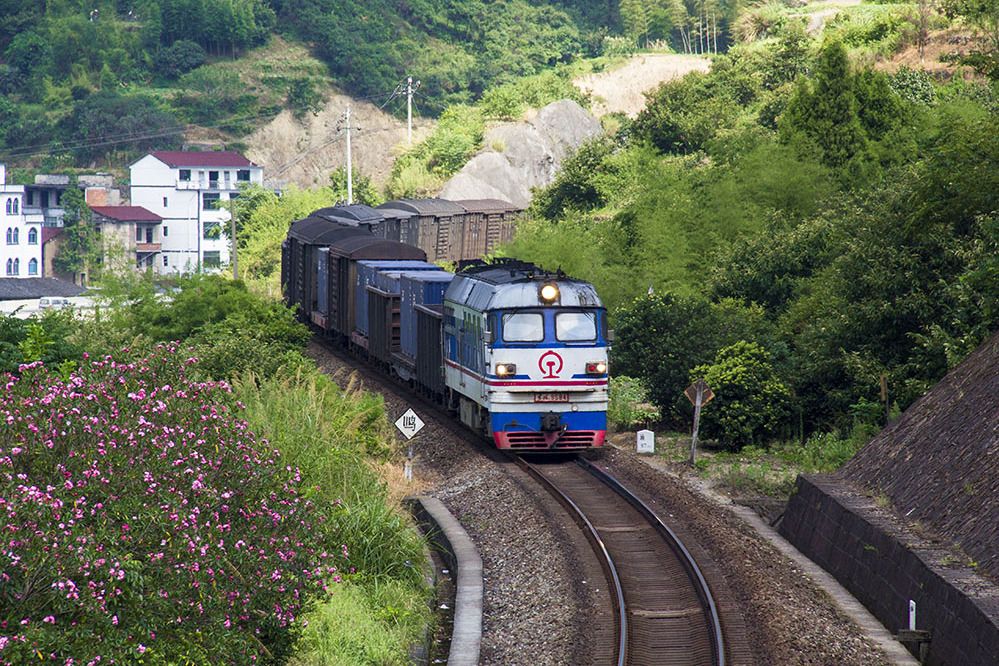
551,397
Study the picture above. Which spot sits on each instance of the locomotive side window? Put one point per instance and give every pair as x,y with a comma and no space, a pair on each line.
576,326
523,327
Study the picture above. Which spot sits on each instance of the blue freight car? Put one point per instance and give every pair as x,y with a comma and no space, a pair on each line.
419,289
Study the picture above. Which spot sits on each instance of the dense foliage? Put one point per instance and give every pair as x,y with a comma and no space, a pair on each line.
330,441
146,523
842,219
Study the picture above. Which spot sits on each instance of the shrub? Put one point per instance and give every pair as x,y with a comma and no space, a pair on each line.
179,58
145,524
751,403
629,404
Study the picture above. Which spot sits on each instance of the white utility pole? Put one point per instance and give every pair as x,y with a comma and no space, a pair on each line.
409,110
350,171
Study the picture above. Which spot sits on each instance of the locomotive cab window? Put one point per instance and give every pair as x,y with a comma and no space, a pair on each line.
523,327
576,326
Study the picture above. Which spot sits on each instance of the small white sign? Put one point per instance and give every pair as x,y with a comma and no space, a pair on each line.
646,441
409,424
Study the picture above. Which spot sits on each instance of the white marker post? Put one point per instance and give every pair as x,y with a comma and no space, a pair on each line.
646,441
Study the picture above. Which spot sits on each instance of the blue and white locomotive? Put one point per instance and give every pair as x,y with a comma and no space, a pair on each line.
520,354
525,356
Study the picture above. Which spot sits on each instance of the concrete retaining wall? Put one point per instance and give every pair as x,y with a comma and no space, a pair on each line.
873,557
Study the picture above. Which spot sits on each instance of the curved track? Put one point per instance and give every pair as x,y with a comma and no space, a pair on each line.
665,611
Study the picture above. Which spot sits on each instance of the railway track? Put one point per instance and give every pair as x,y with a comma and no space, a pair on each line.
665,611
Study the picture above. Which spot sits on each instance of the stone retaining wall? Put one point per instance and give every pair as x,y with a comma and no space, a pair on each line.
884,566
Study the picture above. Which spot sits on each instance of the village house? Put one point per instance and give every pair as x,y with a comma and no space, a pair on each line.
188,190
21,242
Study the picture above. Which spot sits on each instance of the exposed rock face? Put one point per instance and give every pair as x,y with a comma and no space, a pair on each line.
521,156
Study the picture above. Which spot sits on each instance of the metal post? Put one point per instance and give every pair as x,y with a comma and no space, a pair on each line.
232,223
409,110
697,423
350,172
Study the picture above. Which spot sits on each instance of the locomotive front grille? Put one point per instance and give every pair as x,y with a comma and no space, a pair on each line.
536,440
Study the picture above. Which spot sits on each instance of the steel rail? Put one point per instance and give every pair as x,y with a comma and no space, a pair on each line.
606,561
690,565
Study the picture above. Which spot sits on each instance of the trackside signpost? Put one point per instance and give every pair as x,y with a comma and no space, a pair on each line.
409,424
699,394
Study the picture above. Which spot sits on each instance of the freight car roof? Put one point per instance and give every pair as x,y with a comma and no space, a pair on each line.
487,206
425,206
367,246
314,230
352,215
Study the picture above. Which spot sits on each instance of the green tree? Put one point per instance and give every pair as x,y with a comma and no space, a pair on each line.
983,16
362,189
751,403
635,19
825,114
179,58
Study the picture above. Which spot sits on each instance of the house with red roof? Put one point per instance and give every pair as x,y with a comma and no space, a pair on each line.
130,235
189,191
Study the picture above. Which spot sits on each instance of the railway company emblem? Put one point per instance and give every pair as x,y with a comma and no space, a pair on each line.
550,365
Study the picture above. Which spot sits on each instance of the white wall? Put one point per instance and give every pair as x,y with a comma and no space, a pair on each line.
184,216
23,251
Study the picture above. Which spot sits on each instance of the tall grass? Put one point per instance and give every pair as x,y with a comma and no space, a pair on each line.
338,438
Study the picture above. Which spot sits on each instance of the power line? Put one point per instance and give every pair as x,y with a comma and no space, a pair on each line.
30,151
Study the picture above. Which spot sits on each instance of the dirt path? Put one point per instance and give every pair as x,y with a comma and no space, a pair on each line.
817,19
622,89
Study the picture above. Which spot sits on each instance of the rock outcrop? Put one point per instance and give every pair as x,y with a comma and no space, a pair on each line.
524,155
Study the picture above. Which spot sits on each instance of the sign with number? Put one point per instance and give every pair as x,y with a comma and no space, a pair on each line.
409,424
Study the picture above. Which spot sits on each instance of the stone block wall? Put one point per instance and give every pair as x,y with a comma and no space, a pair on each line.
884,566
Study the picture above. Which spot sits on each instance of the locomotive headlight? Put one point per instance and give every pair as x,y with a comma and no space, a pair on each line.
596,368
549,292
506,369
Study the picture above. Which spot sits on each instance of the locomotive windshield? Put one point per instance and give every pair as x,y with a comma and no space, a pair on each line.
523,327
576,326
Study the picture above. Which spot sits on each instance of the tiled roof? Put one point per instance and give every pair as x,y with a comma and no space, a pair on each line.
127,213
19,289
48,233
179,158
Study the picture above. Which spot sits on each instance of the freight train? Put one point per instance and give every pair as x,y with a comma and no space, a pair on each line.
518,353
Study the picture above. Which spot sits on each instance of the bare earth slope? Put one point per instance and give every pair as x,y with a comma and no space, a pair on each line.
306,152
622,90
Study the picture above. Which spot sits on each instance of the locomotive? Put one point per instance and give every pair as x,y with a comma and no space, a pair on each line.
517,352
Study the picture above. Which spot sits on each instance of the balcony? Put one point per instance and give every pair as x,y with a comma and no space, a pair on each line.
224,185
147,248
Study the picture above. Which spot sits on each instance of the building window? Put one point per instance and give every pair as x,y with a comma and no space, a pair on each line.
243,175
165,204
17,206
212,259
210,201
45,198
17,236
32,236
213,179
17,267
138,234
10,209
31,198
212,231
10,236
166,261
165,234
185,175
10,267
33,267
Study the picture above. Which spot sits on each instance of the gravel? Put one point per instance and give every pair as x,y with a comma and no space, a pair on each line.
542,586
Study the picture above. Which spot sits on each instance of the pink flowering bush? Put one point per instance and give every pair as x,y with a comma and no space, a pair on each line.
140,522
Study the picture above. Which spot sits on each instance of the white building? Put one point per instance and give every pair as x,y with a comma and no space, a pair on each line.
186,189
20,233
